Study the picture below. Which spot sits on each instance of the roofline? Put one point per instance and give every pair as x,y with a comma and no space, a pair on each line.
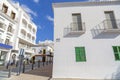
86,3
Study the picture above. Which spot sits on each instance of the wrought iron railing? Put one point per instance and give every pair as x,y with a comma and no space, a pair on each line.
2,26
108,25
1,40
75,27
111,24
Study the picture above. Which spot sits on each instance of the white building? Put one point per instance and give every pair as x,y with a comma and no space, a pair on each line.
87,40
48,45
16,31
26,36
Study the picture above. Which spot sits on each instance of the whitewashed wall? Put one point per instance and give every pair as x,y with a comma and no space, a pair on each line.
100,62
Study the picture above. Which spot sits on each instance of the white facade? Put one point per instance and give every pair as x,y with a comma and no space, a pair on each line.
26,36
47,45
16,29
97,39
8,26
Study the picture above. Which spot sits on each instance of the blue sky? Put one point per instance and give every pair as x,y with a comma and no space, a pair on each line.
42,14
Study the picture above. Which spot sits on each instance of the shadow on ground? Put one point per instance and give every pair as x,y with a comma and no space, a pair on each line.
42,71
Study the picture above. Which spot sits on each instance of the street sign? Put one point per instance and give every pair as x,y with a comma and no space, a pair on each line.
21,52
20,62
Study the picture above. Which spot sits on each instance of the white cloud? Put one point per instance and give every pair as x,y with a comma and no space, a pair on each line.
36,1
28,10
50,18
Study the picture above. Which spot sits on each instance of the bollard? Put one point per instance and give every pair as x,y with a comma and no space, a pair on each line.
23,67
38,63
17,64
32,66
9,74
7,65
43,64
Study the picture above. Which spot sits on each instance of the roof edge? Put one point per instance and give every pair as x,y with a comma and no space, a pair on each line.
87,3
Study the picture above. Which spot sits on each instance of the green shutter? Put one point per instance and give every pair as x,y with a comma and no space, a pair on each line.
116,50
80,54
77,51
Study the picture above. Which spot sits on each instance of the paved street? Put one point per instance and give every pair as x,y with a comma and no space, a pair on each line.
42,73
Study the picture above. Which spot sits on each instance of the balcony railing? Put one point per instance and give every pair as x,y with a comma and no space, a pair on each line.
29,50
9,43
23,36
2,26
1,40
111,25
108,26
75,29
7,16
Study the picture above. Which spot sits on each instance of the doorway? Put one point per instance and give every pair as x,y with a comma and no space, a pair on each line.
111,21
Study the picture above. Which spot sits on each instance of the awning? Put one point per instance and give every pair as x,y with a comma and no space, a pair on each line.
5,46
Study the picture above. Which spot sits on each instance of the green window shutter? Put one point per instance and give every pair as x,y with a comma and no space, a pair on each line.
116,50
116,56
77,51
80,54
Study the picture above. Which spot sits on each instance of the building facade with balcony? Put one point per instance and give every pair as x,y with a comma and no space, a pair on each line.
26,36
8,26
16,31
87,40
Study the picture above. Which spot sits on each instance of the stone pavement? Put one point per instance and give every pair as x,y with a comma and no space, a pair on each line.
42,73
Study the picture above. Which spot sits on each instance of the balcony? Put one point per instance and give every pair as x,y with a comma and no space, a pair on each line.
110,26
107,27
75,30
2,13
1,40
23,36
9,43
2,26
29,50
10,32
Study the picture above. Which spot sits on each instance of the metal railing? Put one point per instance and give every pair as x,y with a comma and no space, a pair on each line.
2,26
1,40
10,31
108,25
23,36
75,27
111,24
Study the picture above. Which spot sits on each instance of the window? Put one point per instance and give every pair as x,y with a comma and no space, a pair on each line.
12,15
77,22
10,28
5,8
3,55
7,41
1,25
116,50
80,54
110,20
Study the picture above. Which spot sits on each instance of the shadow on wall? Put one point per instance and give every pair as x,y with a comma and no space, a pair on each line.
116,75
101,34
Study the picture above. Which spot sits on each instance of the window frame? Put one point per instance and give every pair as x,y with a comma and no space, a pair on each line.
117,58
81,51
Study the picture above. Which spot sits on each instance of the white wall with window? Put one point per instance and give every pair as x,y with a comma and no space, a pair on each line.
89,52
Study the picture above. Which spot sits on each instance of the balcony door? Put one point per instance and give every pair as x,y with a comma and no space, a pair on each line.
110,19
77,22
